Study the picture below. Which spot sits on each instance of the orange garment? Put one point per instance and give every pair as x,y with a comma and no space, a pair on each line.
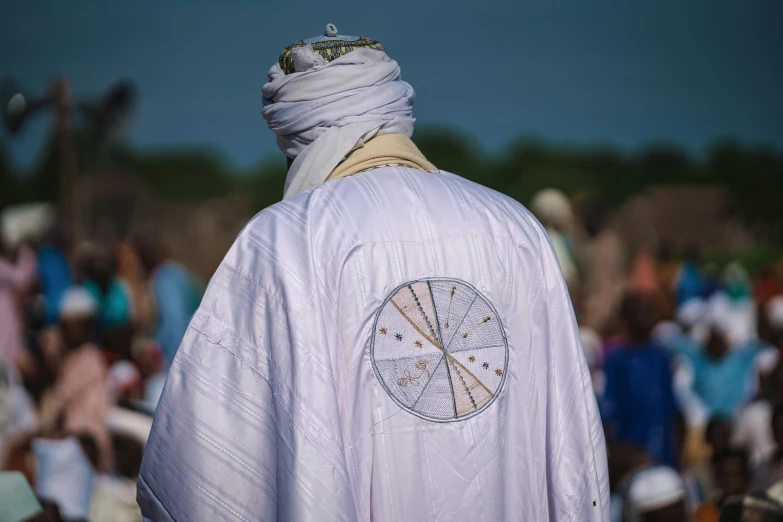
707,512
644,273
131,274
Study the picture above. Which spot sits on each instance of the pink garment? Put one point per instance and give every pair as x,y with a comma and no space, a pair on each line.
15,279
82,390
644,273
605,280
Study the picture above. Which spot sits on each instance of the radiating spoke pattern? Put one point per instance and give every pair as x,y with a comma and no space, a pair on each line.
439,350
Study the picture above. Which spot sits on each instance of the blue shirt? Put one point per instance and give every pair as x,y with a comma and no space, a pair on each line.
638,401
723,384
54,273
177,299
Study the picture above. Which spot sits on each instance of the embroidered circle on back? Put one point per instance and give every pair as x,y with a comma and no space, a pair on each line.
439,350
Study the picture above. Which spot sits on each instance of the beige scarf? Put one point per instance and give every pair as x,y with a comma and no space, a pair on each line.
386,149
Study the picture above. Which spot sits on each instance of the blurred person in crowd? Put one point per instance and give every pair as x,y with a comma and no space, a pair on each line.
638,404
16,278
96,271
712,280
719,375
623,460
54,272
149,360
655,494
604,282
18,503
81,398
668,270
594,354
754,422
125,380
115,494
65,473
756,506
737,283
731,476
130,271
553,210
643,277
690,283
770,470
718,434
767,285
276,364
176,296
18,416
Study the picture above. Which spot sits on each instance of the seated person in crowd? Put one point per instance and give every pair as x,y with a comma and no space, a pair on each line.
771,470
81,398
638,405
718,375
655,494
731,475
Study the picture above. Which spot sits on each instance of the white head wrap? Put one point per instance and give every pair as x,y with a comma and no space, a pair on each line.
652,489
691,312
774,311
65,476
553,208
77,303
593,347
666,331
323,111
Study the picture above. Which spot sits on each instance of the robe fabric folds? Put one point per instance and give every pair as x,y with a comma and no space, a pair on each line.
396,345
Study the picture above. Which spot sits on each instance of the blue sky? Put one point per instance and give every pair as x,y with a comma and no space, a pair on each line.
576,71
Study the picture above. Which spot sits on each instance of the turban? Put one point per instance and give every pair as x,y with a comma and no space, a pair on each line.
652,489
328,107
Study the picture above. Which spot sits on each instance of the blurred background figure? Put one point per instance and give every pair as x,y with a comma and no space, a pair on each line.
553,210
176,295
638,403
664,214
604,261
655,494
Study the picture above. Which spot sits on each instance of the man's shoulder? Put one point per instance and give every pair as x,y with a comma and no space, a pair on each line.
393,203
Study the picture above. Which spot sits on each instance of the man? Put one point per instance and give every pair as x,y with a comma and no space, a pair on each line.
390,342
176,296
655,494
638,404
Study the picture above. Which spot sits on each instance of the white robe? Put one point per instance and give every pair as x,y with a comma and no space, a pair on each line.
283,402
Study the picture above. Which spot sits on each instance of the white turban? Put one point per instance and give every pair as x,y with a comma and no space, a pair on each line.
323,111
652,489
774,311
77,303
553,208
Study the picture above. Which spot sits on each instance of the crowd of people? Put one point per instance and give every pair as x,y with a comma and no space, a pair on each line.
86,337
684,361
685,364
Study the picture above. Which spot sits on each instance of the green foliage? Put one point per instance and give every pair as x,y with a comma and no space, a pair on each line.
754,176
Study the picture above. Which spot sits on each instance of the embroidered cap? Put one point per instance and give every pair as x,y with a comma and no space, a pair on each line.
330,46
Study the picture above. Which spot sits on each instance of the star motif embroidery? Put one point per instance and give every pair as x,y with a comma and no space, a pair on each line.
498,372
398,337
383,331
472,359
417,343
485,365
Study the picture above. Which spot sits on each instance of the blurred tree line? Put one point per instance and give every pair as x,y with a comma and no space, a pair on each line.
752,175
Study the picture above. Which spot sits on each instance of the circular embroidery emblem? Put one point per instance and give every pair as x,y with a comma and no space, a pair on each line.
439,350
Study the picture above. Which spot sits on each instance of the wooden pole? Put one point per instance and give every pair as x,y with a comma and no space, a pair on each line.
67,164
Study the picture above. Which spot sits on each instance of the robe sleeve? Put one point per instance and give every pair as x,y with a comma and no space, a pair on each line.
240,432
211,451
576,468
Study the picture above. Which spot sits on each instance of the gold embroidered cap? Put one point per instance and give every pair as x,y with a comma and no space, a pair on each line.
330,46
